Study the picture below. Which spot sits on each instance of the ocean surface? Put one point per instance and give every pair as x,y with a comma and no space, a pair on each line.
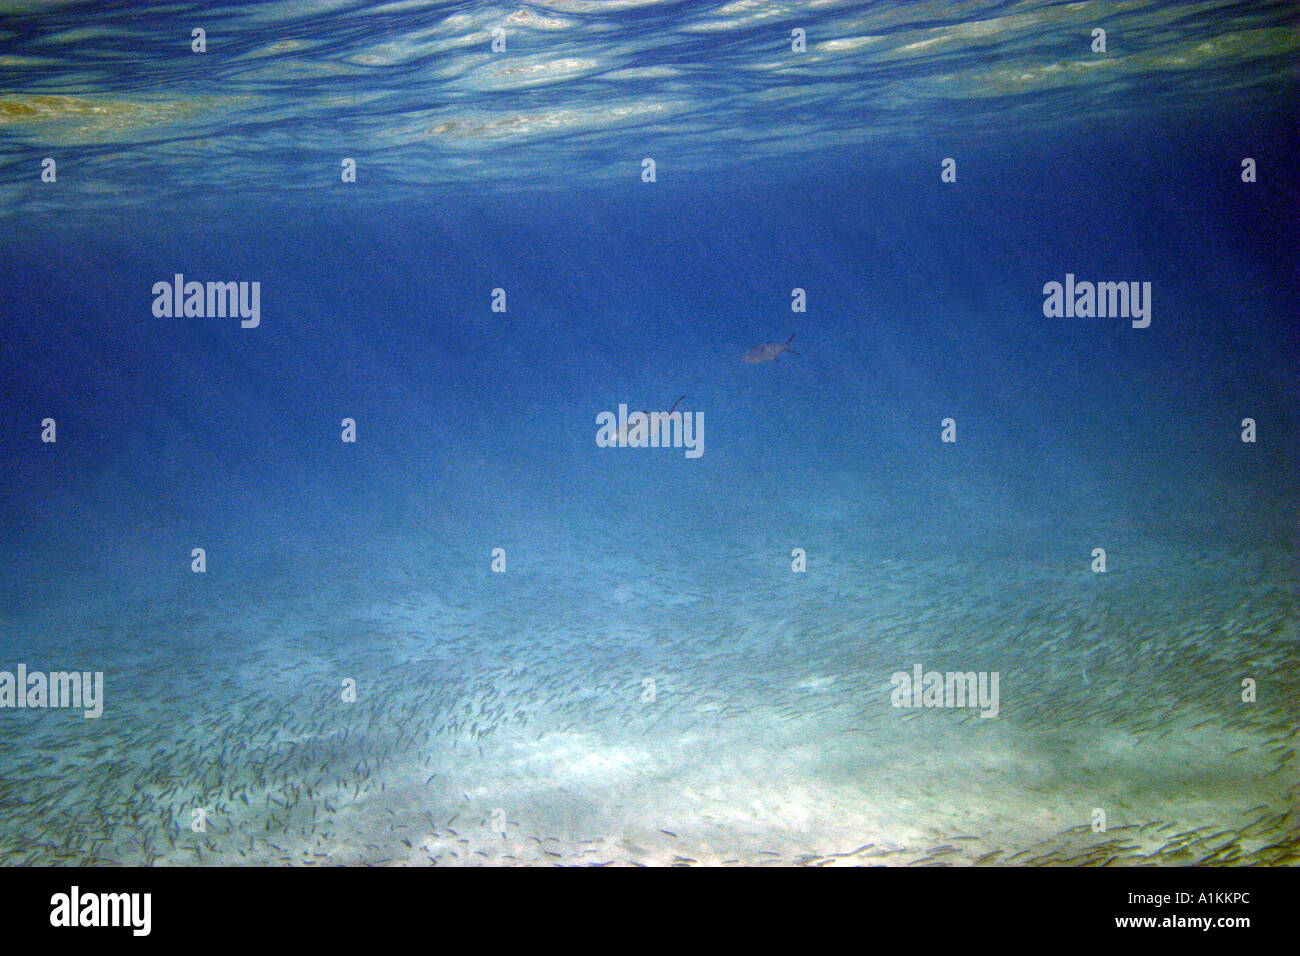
965,568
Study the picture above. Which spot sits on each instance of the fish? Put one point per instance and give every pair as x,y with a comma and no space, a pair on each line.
769,351
625,428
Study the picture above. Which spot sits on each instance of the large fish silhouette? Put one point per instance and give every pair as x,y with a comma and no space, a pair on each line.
769,351
625,428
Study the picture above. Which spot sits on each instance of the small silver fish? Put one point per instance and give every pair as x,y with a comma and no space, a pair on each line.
769,352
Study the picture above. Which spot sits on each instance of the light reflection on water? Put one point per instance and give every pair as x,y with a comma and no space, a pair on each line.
414,92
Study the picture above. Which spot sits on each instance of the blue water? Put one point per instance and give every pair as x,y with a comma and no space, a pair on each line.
476,429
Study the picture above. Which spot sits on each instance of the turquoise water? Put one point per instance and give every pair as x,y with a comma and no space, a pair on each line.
362,580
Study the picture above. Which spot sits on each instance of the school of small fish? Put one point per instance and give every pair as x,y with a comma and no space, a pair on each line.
639,711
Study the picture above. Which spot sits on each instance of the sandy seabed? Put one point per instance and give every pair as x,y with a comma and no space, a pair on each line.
660,712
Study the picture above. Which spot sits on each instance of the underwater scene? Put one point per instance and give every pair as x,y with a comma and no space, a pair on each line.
770,432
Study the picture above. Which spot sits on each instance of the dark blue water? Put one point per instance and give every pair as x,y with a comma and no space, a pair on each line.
925,301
